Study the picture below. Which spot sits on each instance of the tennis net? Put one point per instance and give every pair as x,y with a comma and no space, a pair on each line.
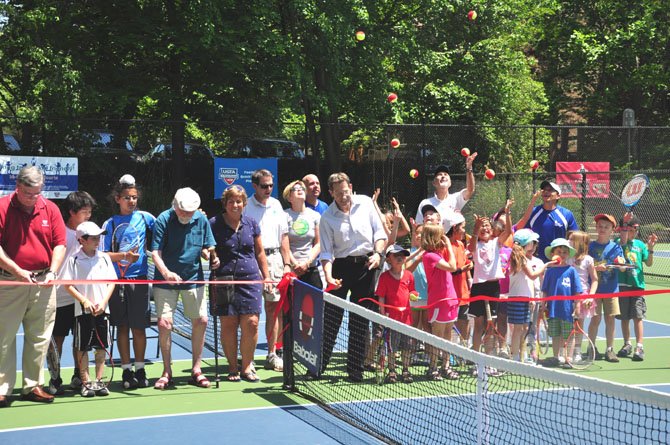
492,401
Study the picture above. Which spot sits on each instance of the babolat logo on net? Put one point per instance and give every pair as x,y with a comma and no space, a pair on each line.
308,356
228,175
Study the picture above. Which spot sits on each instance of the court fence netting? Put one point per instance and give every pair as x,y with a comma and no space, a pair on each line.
492,401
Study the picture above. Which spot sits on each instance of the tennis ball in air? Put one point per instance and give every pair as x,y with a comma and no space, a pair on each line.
534,164
395,142
414,173
472,15
360,36
556,258
392,97
489,173
465,152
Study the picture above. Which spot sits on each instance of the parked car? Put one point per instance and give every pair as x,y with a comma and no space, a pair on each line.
191,151
11,144
266,148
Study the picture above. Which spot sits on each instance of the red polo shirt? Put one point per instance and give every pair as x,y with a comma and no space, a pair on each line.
29,239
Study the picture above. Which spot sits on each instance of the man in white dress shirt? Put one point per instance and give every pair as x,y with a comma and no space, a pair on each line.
270,216
352,242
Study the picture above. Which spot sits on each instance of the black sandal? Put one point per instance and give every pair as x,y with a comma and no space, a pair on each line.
392,377
407,377
234,377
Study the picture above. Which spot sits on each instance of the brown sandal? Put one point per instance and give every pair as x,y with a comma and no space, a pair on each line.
164,382
198,379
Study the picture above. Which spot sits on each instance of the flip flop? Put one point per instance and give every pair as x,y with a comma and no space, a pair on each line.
250,377
199,380
234,377
164,382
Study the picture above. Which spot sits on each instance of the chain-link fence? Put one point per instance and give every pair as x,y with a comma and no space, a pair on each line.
366,154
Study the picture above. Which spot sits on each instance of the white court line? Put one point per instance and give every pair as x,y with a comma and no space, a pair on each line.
159,416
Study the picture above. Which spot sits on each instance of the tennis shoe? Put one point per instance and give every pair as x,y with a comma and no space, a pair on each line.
100,389
610,356
129,380
141,377
626,351
55,387
274,363
638,356
75,381
577,358
87,390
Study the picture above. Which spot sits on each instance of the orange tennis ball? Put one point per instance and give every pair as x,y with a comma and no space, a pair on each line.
360,36
472,15
414,173
556,258
465,152
489,173
395,142
392,97
534,164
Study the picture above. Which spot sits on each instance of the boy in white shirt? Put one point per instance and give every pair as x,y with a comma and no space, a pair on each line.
91,314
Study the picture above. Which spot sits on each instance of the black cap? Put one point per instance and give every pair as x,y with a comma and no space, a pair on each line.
634,222
428,207
440,169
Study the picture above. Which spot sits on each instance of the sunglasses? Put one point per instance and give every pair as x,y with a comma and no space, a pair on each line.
266,186
297,188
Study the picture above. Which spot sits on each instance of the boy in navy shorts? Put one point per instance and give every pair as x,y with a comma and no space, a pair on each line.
92,312
77,209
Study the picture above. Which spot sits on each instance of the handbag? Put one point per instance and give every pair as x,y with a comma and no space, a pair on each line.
223,295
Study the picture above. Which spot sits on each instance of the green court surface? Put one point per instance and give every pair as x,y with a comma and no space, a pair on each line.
185,398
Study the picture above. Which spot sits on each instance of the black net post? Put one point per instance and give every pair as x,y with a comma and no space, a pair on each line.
583,199
287,338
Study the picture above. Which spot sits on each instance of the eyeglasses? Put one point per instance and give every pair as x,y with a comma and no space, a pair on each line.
297,188
29,194
130,198
266,186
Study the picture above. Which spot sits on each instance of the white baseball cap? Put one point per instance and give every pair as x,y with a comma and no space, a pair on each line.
186,199
89,228
451,220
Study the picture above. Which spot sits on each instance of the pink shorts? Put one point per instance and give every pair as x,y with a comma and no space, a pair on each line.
445,312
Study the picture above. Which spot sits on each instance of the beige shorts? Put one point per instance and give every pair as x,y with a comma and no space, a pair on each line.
195,304
609,305
276,271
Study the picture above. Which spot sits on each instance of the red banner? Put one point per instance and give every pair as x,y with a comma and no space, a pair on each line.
597,184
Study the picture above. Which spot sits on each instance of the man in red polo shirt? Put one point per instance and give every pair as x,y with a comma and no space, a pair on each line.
32,247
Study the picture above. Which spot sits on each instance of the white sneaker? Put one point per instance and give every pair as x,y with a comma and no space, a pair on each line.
577,358
274,363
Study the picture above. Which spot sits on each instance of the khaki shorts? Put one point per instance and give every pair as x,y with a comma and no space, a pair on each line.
609,305
195,304
276,271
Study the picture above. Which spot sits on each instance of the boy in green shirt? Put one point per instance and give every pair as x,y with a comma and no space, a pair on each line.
637,254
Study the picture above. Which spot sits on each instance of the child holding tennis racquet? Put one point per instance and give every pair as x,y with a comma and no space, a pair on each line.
77,208
605,253
393,289
91,314
637,254
127,242
522,284
583,263
560,279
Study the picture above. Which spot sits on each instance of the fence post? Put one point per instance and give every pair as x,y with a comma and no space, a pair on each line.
582,170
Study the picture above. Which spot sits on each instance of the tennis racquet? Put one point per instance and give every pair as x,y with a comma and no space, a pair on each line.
384,354
53,360
99,379
126,238
492,337
634,190
575,354
541,332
